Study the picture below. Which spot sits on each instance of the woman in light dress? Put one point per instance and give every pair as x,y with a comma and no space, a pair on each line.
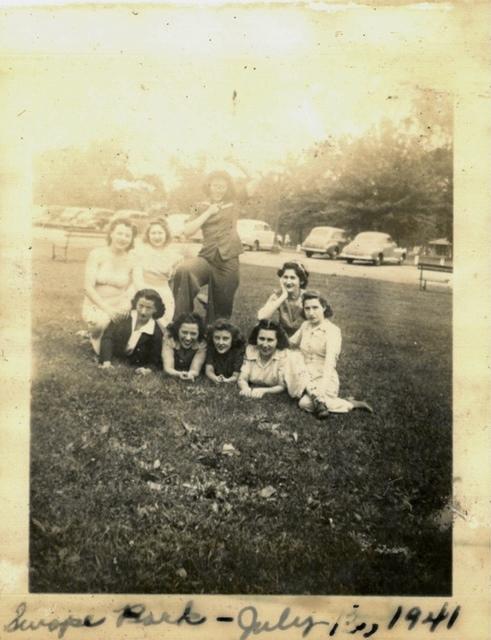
156,260
319,341
109,284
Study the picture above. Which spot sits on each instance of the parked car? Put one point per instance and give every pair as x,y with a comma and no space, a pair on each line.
68,216
255,234
327,241
46,215
138,218
375,247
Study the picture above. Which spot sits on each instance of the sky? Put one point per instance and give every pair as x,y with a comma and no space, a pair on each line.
256,83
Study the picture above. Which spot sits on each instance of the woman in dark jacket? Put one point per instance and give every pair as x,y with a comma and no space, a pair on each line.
136,339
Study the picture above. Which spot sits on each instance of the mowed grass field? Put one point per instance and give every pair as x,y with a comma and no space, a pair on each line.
133,490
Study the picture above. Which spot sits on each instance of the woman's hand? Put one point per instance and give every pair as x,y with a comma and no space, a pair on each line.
257,393
187,375
284,291
142,371
246,392
116,315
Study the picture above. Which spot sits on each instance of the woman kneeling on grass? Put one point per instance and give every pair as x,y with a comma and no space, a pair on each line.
287,301
184,349
224,353
109,280
319,341
267,368
136,339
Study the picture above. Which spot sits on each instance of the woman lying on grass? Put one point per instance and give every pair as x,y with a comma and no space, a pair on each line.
224,353
287,301
319,341
267,368
184,349
135,339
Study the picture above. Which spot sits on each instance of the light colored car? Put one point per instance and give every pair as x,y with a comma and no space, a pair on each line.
327,241
375,247
255,234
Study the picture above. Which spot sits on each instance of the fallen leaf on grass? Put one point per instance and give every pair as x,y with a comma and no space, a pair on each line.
230,450
267,492
182,573
156,464
155,486
104,429
188,428
38,524
73,559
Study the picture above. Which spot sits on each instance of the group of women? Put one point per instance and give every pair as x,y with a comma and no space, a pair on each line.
133,314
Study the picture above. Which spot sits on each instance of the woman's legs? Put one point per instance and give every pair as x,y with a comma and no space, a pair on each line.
222,277
190,276
97,320
168,300
224,281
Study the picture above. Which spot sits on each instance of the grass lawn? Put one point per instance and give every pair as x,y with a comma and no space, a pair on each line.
131,490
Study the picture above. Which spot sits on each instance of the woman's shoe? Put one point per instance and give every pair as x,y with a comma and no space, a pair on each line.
320,410
361,404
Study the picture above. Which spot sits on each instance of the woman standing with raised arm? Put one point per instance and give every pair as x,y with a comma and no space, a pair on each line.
217,264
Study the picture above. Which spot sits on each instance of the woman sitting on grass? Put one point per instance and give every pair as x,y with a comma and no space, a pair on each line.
267,368
184,349
136,339
109,280
287,301
224,353
156,260
319,341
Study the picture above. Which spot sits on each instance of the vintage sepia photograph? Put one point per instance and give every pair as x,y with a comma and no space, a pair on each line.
242,275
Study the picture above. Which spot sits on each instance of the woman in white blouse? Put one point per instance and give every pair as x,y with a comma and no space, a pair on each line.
156,260
319,341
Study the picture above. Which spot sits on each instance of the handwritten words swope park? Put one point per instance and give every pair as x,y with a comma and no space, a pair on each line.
248,621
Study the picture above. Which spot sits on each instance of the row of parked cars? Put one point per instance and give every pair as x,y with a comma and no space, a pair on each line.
369,246
255,234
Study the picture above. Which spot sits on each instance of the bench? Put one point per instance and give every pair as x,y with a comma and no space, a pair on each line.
66,237
434,267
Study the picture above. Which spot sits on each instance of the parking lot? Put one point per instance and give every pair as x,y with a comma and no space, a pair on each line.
404,274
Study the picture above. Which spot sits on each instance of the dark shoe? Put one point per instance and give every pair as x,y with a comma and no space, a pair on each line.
321,412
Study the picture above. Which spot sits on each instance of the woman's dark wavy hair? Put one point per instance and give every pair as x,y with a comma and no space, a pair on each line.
270,325
127,223
300,270
315,295
161,222
150,294
220,175
222,324
190,318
